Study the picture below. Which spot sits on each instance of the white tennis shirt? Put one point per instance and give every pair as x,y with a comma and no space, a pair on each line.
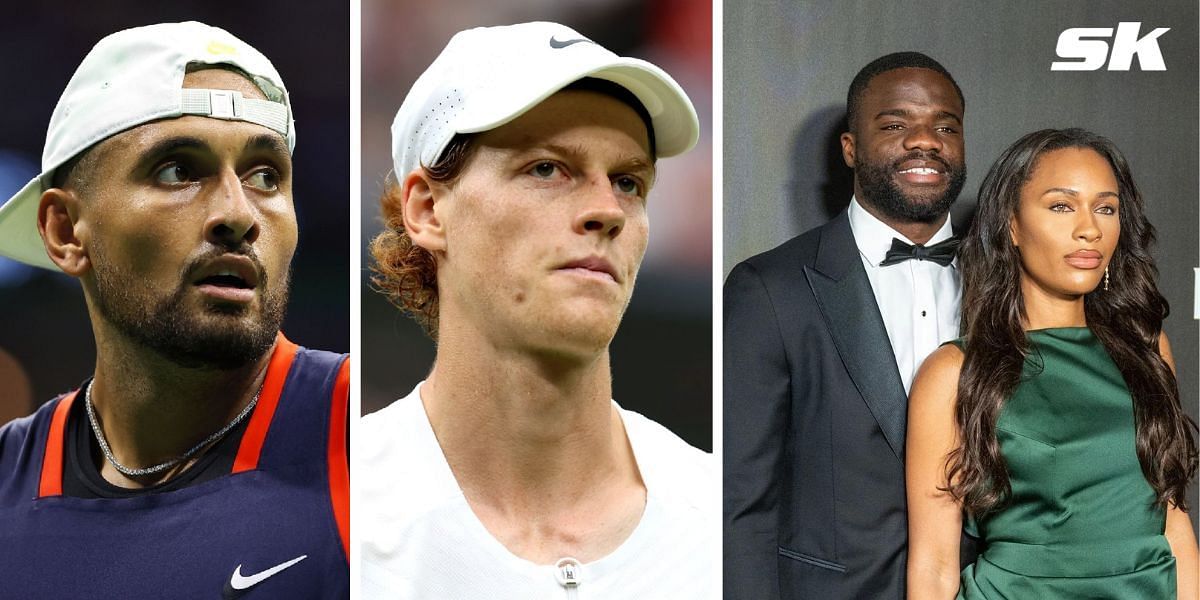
918,299
421,539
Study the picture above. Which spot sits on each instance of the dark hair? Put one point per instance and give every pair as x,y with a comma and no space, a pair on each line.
407,273
883,64
1127,319
77,171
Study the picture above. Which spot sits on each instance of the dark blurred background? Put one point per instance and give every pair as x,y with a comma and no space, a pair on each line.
662,354
46,344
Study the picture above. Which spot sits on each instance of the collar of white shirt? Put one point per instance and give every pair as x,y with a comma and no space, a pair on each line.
874,237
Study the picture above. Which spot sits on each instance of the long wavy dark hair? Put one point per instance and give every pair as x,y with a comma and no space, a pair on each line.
1127,319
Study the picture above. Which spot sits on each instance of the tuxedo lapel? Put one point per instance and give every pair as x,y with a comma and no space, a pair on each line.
844,295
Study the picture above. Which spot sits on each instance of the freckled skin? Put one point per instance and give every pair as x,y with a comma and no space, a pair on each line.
565,181
1068,204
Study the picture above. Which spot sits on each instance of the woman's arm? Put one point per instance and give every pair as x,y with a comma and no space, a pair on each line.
934,518
1183,546
1179,525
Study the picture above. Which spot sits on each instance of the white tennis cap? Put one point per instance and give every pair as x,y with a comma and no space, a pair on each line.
130,78
489,76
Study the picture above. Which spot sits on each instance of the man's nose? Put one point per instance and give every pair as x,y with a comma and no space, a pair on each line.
232,218
922,138
601,211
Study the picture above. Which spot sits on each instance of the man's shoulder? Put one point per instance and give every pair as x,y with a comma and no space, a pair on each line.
24,427
19,443
314,373
401,459
670,466
390,436
801,250
407,491
13,436
388,423
324,358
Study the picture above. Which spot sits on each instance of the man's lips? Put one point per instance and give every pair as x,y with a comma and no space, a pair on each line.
596,267
229,277
1084,259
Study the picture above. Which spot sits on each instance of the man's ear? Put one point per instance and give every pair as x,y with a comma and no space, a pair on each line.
62,233
420,195
848,149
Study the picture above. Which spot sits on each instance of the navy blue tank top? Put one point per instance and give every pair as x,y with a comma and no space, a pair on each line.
276,526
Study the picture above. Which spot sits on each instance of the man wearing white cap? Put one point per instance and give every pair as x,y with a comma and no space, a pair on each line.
515,230
207,455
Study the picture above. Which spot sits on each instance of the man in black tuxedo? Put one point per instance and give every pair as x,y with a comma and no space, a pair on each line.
823,335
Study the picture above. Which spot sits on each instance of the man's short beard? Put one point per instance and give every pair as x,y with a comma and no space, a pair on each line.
881,191
214,338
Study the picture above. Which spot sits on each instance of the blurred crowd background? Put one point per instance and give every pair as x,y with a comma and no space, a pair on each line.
662,354
46,345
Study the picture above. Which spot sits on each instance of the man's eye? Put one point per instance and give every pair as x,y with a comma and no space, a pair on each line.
266,180
627,185
544,170
172,174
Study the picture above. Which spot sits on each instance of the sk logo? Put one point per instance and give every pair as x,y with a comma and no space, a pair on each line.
1072,43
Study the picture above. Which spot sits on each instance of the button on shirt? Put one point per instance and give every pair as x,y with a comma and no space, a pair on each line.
918,299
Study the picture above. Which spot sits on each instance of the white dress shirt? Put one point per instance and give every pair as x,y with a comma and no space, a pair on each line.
918,299
421,540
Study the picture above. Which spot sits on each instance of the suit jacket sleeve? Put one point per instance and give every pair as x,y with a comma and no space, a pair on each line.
756,389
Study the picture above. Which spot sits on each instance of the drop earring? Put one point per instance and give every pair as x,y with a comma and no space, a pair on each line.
1106,279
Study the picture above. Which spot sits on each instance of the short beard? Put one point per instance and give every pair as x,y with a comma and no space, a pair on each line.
191,340
882,192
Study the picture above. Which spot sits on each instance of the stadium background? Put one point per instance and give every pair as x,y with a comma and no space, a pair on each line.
46,344
662,353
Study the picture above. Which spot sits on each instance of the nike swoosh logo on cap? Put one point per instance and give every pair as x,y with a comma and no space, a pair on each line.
240,583
556,44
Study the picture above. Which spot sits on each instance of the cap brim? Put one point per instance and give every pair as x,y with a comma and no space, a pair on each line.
19,237
676,126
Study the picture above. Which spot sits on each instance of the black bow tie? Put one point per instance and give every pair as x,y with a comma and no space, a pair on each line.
941,253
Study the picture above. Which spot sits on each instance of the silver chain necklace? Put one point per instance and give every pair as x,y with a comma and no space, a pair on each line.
128,472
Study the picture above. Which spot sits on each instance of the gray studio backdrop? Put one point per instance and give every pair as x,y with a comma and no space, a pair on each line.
788,63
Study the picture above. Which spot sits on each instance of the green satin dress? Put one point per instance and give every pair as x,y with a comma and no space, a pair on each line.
1082,522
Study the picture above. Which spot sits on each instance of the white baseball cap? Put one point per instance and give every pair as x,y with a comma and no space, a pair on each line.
130,78
488,76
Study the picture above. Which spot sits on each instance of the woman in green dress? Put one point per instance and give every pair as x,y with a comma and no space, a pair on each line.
1054,427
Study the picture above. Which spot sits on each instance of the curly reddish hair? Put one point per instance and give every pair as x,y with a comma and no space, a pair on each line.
403,271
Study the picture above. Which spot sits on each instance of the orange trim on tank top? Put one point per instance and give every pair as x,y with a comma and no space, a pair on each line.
268,399
50,482
339,469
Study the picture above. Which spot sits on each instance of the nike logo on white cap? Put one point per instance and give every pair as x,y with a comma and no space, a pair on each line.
556,44
240,583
